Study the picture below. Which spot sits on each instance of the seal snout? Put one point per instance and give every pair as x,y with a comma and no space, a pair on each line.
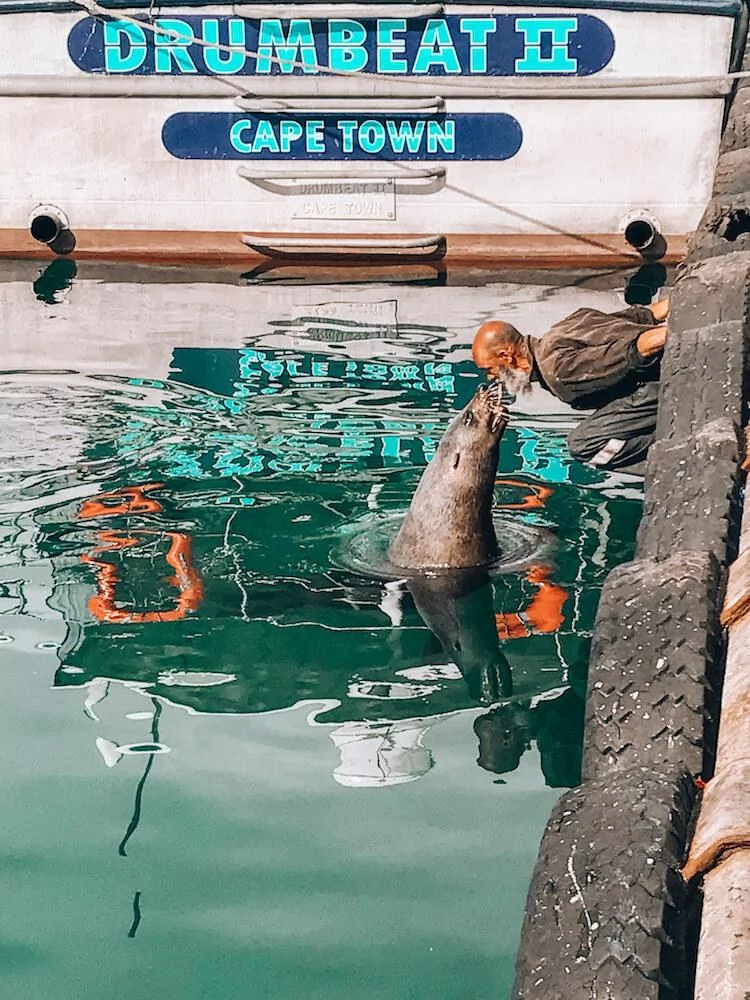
487,406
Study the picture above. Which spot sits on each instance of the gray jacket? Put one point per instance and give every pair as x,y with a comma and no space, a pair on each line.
591,357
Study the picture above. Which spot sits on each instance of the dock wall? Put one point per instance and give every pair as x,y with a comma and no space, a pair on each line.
609,913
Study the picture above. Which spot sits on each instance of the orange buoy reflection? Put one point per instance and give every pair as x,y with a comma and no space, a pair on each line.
544,613
128,500
103,605
186,579
535,498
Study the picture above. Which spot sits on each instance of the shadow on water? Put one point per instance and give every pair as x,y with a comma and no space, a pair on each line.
57,277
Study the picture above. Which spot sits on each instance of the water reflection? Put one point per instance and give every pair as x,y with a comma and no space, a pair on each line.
554,722
190,500
458,609
216,628
382,753
150,750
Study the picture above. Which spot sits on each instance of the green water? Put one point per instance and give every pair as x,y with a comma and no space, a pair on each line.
266,785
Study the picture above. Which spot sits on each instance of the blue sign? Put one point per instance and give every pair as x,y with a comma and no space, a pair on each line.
226,135
452,45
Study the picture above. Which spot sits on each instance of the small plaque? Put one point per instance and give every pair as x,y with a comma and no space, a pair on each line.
344,201
382,313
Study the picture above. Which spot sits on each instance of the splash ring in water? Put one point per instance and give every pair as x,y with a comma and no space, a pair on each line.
364,546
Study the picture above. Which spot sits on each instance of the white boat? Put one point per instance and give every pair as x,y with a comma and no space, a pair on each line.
200,131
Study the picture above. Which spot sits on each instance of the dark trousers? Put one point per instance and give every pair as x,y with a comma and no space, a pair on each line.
619,434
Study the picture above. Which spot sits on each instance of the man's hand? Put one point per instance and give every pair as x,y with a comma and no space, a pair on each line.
652,341
660,310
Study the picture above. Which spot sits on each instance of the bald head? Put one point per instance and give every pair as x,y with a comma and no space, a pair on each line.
499,346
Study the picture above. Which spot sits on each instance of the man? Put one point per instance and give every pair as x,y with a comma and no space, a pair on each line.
606,362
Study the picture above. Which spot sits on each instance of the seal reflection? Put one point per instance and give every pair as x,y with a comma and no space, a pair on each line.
458,609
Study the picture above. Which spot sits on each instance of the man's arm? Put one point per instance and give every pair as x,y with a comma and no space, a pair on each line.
652,341
590,351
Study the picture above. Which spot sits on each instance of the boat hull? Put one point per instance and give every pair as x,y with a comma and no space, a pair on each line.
150,164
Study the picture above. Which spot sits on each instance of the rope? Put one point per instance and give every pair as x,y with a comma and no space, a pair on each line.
488,90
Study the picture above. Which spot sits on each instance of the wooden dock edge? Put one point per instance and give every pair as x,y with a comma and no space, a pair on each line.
223,249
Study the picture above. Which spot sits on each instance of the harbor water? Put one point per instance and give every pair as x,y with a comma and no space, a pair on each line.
237,761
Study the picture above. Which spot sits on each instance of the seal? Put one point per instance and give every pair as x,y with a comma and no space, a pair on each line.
449,523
